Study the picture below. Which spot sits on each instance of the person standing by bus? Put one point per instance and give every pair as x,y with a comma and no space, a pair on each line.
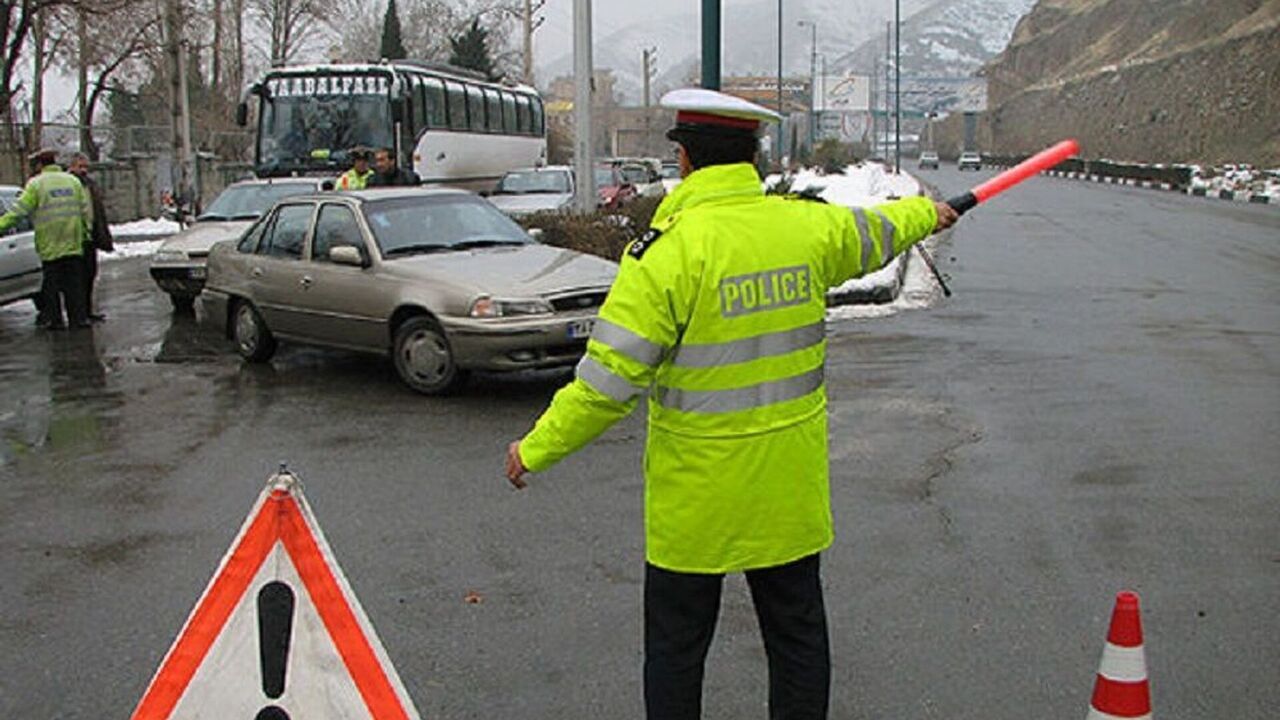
357,178
718,315
61,215
388,173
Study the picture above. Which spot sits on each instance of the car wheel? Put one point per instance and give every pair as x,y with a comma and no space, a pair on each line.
423,358
253,339
182,303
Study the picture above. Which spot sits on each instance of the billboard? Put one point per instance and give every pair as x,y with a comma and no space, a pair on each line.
844,93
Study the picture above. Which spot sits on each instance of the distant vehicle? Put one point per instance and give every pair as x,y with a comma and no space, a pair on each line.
612,188
448,124
20,273
969,161
531,190
647,181
928,160
437,279
178,265
670,176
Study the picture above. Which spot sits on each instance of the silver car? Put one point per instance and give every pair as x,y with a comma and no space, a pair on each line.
524,192
20,273
438,279
178,266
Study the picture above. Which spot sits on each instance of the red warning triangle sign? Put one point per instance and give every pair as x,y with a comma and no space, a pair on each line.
278,633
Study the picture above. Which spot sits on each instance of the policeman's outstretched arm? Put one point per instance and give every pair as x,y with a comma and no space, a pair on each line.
871,237
635,330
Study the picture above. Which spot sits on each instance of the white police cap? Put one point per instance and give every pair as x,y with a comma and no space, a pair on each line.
701,109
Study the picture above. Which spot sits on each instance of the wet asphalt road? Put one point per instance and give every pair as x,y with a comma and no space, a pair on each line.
1096,408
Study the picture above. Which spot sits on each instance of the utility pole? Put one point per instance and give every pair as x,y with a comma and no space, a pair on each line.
179,115
585,183
650,69
784,117
897,91
530,25
711,44
813,81
39,37
888,65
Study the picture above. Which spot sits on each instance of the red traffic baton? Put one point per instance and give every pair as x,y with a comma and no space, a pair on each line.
1033,165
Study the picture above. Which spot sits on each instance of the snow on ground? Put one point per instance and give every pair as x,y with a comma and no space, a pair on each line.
141,248
860,186
145,226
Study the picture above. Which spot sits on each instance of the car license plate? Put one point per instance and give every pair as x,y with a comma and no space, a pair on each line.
196,273
581,329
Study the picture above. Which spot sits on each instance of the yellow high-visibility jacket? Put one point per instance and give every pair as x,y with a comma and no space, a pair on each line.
718,315
352,180
60,212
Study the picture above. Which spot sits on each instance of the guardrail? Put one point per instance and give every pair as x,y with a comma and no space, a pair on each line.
1177,176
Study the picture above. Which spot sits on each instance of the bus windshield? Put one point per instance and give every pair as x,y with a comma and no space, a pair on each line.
313,121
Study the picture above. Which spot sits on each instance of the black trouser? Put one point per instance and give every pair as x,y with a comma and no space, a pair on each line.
63,282
680,612
89,270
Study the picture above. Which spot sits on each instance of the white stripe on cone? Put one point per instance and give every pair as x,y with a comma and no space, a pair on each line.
1123,664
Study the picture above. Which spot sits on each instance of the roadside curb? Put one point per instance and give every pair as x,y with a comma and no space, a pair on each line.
1231,195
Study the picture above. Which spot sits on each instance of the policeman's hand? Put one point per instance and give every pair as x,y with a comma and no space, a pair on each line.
515,466
947,216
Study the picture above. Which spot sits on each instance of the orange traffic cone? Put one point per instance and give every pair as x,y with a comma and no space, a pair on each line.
1121,691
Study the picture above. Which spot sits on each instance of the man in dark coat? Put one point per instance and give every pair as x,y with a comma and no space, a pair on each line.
99,234
388,174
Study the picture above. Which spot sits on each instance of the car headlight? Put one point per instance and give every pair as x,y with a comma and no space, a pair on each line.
164,256
487,307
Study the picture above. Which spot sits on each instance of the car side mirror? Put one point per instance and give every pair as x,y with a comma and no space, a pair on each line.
346,255
242,114
397,109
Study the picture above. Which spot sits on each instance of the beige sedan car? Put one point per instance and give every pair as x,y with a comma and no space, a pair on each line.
440,280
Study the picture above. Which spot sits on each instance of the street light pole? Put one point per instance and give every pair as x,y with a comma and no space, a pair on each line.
813,81
897,88
711,44
778,152
585,186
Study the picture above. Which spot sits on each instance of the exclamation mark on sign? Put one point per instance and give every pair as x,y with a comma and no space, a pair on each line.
275,626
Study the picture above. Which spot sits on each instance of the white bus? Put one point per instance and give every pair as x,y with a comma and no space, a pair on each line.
447,124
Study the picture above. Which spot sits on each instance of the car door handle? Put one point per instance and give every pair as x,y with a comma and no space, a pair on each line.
256,272
305,281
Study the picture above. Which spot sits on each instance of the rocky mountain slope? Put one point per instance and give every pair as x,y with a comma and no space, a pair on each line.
1174,80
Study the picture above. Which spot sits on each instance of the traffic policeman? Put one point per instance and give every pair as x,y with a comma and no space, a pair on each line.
61,214
357,178
717,315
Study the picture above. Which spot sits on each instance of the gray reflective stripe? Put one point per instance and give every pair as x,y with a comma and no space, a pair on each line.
722,401
627,342
886,238
737,351
864,235
606,381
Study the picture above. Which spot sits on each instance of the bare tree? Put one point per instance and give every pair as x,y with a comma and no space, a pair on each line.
292,25
427,26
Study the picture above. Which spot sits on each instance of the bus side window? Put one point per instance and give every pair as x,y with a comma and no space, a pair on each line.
457,106
433,102
493,111
523,120
417,106
475,109
508,113
538,128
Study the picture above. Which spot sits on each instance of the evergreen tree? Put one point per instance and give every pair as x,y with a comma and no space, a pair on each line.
471,51
392,47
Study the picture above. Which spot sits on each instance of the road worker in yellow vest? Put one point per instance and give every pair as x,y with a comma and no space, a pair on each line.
357,178
717,315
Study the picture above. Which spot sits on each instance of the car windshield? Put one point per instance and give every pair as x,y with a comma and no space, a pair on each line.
606,177
247,202
535,181
635,174
671,172
313,121
414,225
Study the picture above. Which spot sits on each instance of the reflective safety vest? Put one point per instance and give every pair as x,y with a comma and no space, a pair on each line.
717,314
352,180
60,212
